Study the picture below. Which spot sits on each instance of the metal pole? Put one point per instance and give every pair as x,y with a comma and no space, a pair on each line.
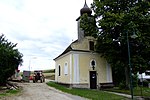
131,86
141,85
29,64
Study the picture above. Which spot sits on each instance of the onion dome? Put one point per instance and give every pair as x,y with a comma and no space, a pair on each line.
85,9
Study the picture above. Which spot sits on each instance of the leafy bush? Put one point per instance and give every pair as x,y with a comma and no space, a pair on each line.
10,59
122,85
145,83
135,80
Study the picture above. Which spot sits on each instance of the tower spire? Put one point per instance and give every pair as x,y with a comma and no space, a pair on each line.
85,4
85,9
85,1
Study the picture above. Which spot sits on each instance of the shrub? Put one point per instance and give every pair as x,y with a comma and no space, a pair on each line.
122,85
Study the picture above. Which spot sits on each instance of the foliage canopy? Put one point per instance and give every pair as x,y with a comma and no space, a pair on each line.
10,59
117,20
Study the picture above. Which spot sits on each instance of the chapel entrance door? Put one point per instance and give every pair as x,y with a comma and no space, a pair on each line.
93,80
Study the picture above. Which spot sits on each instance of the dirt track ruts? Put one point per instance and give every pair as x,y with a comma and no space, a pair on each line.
40,91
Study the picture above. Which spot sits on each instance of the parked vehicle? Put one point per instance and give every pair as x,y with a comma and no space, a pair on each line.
26,76
144,76
38,75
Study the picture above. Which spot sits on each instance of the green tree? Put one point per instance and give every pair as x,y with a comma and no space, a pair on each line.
115,19
10,59
88,23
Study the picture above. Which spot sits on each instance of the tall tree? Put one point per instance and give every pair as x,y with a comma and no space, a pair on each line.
117,21
10,59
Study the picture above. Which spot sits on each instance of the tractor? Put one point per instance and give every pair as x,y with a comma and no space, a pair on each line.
38,75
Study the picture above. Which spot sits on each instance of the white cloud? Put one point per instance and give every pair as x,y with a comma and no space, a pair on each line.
42,28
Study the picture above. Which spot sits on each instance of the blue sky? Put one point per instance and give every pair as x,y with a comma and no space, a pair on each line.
42,28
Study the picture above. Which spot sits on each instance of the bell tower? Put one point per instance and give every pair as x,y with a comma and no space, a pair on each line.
84,10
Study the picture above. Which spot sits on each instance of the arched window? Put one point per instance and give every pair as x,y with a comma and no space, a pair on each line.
93,63
66,68
59,70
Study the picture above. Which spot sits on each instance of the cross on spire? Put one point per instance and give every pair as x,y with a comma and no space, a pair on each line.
85,5
85,1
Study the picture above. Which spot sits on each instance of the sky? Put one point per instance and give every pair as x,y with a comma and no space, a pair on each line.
42,29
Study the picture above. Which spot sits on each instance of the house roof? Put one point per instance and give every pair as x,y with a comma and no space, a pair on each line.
69,48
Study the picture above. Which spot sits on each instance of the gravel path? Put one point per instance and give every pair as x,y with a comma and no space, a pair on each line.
40,91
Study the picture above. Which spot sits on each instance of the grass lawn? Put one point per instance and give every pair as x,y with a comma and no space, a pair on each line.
8,92
87,93
136,91
49,76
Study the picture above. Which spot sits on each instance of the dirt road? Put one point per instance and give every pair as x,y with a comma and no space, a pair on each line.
40,91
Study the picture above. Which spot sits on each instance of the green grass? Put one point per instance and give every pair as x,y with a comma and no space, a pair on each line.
49,71
9,92
136,91
49,76
87,93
